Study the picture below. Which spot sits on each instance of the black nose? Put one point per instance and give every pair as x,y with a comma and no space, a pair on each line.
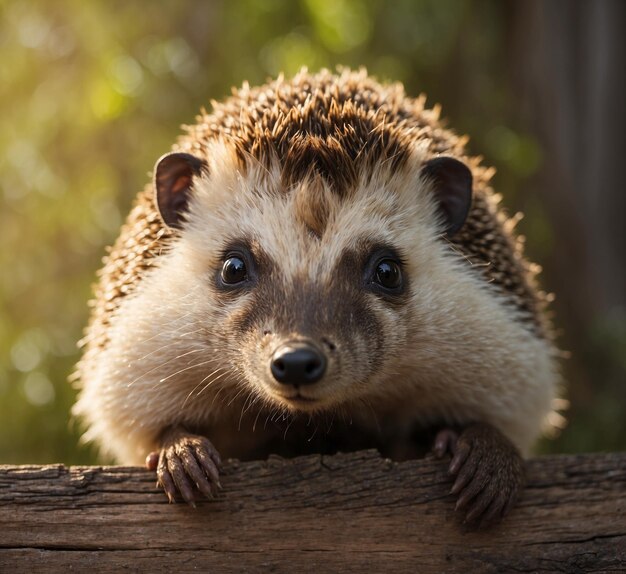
298,364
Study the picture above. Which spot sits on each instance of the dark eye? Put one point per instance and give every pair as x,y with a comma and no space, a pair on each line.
388,274
234,270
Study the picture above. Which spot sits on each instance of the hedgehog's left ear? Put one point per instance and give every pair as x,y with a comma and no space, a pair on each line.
173,175
452,183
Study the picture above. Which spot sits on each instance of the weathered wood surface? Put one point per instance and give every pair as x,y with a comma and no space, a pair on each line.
346,513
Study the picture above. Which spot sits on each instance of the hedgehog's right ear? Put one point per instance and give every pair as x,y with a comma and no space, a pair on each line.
452,183
173,176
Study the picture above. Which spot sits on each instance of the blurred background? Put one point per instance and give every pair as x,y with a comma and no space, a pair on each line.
92,93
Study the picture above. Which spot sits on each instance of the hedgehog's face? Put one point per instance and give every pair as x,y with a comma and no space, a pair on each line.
309,317
310,289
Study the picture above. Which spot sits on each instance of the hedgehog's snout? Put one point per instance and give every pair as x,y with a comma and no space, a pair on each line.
298,363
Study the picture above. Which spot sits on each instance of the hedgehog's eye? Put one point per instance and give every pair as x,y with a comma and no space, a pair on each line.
234,270
388,274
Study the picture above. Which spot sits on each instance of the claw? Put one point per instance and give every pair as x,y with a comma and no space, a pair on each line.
466,472
483,499
478,483
209,466
493,511
509,504
195,473
468,494
489,474
164,479
176,469
186,462
463,449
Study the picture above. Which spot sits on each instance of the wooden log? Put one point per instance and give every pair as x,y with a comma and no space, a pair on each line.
345,513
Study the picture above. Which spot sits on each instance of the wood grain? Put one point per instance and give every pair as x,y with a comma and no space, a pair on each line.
345,513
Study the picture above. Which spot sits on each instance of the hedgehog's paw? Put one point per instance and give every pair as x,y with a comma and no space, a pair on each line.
489,472
186,460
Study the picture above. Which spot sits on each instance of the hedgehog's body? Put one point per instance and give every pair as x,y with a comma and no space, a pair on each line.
310,199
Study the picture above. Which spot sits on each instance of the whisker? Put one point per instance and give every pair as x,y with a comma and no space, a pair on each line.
195,365
235,397
332,421
314,432
250,399
256,419
212,381
163,365
371,408
219,392
181,317
187,369
255,399
291,421
200,383
169,343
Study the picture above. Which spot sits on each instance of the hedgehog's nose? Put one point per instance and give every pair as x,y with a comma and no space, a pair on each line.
298,363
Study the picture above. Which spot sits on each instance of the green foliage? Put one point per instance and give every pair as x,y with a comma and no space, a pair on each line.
93,92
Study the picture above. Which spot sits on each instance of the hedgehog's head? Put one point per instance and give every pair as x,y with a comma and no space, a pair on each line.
303,272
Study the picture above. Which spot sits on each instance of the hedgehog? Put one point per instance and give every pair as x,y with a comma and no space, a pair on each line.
319,266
